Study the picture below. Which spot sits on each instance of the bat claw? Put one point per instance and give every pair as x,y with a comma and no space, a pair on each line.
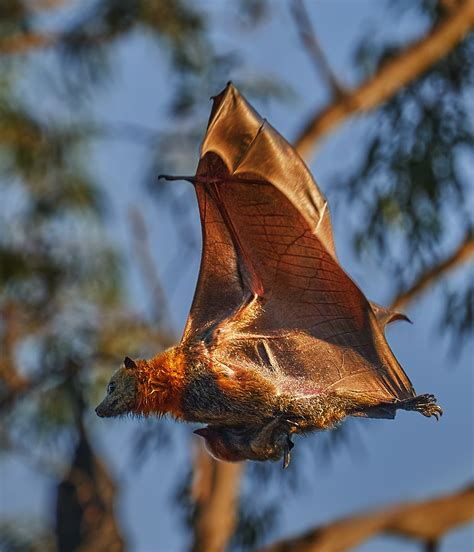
424,404
286,453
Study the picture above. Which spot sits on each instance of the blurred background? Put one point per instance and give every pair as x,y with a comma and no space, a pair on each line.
98,260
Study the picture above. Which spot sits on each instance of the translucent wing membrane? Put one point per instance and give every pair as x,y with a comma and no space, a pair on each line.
270,273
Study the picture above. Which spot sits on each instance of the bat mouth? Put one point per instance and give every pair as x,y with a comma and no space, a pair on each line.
106,410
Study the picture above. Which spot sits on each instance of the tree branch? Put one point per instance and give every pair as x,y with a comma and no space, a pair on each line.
390,77
85,504
11,318
30,137
141,247
427,520
215,492
313,48
461,255
22,43
43,5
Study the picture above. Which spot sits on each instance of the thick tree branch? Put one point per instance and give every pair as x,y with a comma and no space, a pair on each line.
427,520
215,491
461,255
390,77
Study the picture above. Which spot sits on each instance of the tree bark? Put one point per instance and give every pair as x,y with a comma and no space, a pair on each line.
390,77
215,492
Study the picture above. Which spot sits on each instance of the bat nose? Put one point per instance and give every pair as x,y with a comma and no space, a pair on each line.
202,431
99,412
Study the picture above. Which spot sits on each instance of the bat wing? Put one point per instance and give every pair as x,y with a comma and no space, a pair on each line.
220,289
270,281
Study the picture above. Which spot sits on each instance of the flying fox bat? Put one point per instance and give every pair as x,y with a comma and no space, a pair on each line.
279,339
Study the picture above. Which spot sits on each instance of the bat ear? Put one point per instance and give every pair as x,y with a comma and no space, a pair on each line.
202,432
129,363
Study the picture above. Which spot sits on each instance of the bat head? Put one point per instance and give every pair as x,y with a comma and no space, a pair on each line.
122,391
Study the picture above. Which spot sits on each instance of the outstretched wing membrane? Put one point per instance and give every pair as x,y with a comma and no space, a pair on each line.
270,279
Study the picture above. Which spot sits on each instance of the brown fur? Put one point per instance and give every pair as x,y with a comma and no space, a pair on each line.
161,383
190,387
238,404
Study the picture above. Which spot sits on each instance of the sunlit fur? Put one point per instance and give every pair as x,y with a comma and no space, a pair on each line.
161,381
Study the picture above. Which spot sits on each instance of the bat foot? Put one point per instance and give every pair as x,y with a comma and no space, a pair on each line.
424,404
273,442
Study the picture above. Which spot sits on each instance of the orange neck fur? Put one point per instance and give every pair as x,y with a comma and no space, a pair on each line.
161,383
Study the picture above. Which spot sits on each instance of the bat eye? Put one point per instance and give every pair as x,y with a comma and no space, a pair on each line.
111,387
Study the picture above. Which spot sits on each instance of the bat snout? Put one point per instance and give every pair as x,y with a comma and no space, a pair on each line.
102,410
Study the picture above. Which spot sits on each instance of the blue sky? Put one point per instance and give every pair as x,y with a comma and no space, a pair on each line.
409,458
